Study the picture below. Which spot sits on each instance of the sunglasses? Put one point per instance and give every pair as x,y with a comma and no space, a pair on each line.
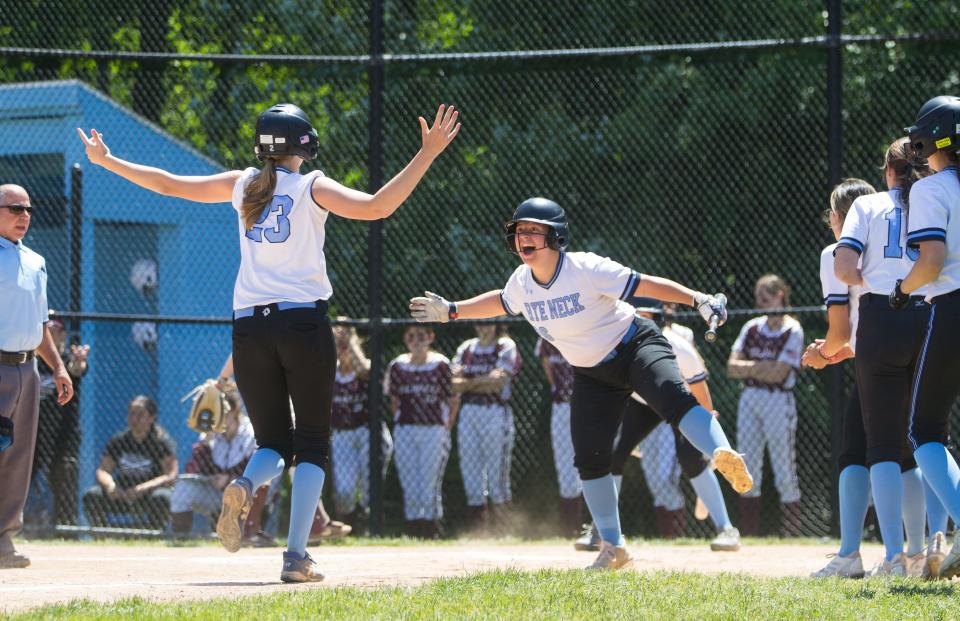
18,209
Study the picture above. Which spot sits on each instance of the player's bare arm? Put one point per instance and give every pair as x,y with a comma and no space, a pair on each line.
739,367
925,270
701,390
845,266
201,189
357,205
670,291
454,404
434,308
48,351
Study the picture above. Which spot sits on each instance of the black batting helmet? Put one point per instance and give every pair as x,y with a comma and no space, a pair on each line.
285,130
541,211
937,126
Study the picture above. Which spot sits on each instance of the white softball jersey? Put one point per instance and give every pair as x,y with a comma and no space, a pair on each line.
935,215
281,257
837,292
473,359
581,311
875,228
758,341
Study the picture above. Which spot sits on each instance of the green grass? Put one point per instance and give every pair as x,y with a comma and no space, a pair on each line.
565,595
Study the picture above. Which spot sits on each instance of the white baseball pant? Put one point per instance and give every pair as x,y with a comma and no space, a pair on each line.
485,440
768,418
568,478
350,457
661,468
420,452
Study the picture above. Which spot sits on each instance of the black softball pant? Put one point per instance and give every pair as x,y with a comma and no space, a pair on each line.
646,365
283,356
853,438
888,343
937,378
639,420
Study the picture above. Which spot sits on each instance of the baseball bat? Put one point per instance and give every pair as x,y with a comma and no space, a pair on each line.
711,334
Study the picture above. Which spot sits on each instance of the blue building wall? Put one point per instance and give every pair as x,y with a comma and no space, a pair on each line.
195,246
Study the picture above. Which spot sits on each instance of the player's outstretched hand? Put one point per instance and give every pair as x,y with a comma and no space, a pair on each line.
710,306
444,129
812,357
432,308
97,150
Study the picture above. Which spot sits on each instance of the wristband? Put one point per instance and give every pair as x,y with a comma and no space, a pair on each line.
827,358
453,312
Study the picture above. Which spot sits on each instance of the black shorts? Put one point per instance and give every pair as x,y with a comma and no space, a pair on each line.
888,342
639,420
937,379
646,365
281,356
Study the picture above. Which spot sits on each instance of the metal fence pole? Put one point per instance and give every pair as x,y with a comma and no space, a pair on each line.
375,267
76,243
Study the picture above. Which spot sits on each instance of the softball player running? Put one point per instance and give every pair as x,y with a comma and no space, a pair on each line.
560,377
886,344
575,300
419,384
282,343
350,440
934,232
766,356
483,370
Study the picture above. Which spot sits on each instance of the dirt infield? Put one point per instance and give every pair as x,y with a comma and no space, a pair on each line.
62,572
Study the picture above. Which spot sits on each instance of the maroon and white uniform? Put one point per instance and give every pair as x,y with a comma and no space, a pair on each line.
767,413
421,439
560,390
350,442
485,429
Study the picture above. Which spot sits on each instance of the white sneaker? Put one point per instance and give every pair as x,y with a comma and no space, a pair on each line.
841,567
589,541
951,564
915,564
730,464
727,541
896,567
701,512
936,552
612,557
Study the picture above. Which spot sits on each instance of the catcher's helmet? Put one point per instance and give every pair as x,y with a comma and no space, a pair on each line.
285,130
542,211
937,126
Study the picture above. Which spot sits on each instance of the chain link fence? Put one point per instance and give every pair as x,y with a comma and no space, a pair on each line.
698,143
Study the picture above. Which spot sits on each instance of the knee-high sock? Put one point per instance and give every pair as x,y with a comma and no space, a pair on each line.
941,472
601,497
703,431
618,481
264,465
854,500
888,499
304,497
913,510
708,489
936,515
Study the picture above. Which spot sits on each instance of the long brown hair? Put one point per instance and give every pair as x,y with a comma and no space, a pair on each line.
907,167
258,193
843,195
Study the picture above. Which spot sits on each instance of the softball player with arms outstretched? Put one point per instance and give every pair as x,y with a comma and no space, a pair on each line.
871,254
575,300
350,440
560,377
282,343
483,370
420,386
934,233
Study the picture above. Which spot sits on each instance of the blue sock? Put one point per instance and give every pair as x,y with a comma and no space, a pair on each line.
618,481
264,466
708,489
936,515
304,498
913,510
703,431
887,500
601,497
941,472
854,499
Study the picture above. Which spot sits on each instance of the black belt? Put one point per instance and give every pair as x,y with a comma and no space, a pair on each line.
879,298
266,309
16,357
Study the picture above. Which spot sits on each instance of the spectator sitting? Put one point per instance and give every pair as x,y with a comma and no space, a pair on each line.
136,470
217,459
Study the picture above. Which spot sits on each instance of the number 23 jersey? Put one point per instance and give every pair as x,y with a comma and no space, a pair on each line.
581,310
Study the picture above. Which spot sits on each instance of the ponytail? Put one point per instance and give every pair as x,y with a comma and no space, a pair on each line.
907,168
258,193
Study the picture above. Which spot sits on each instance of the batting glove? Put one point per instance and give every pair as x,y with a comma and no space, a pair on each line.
898,299
711,305
432,308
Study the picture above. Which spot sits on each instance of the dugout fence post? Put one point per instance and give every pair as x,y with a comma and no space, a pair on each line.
375,268
76,244
836,392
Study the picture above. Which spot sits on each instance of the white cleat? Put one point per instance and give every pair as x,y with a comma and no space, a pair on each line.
730,464
915,564
951,564
936,553
727,541
841,567
589,541
885,568
612,557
